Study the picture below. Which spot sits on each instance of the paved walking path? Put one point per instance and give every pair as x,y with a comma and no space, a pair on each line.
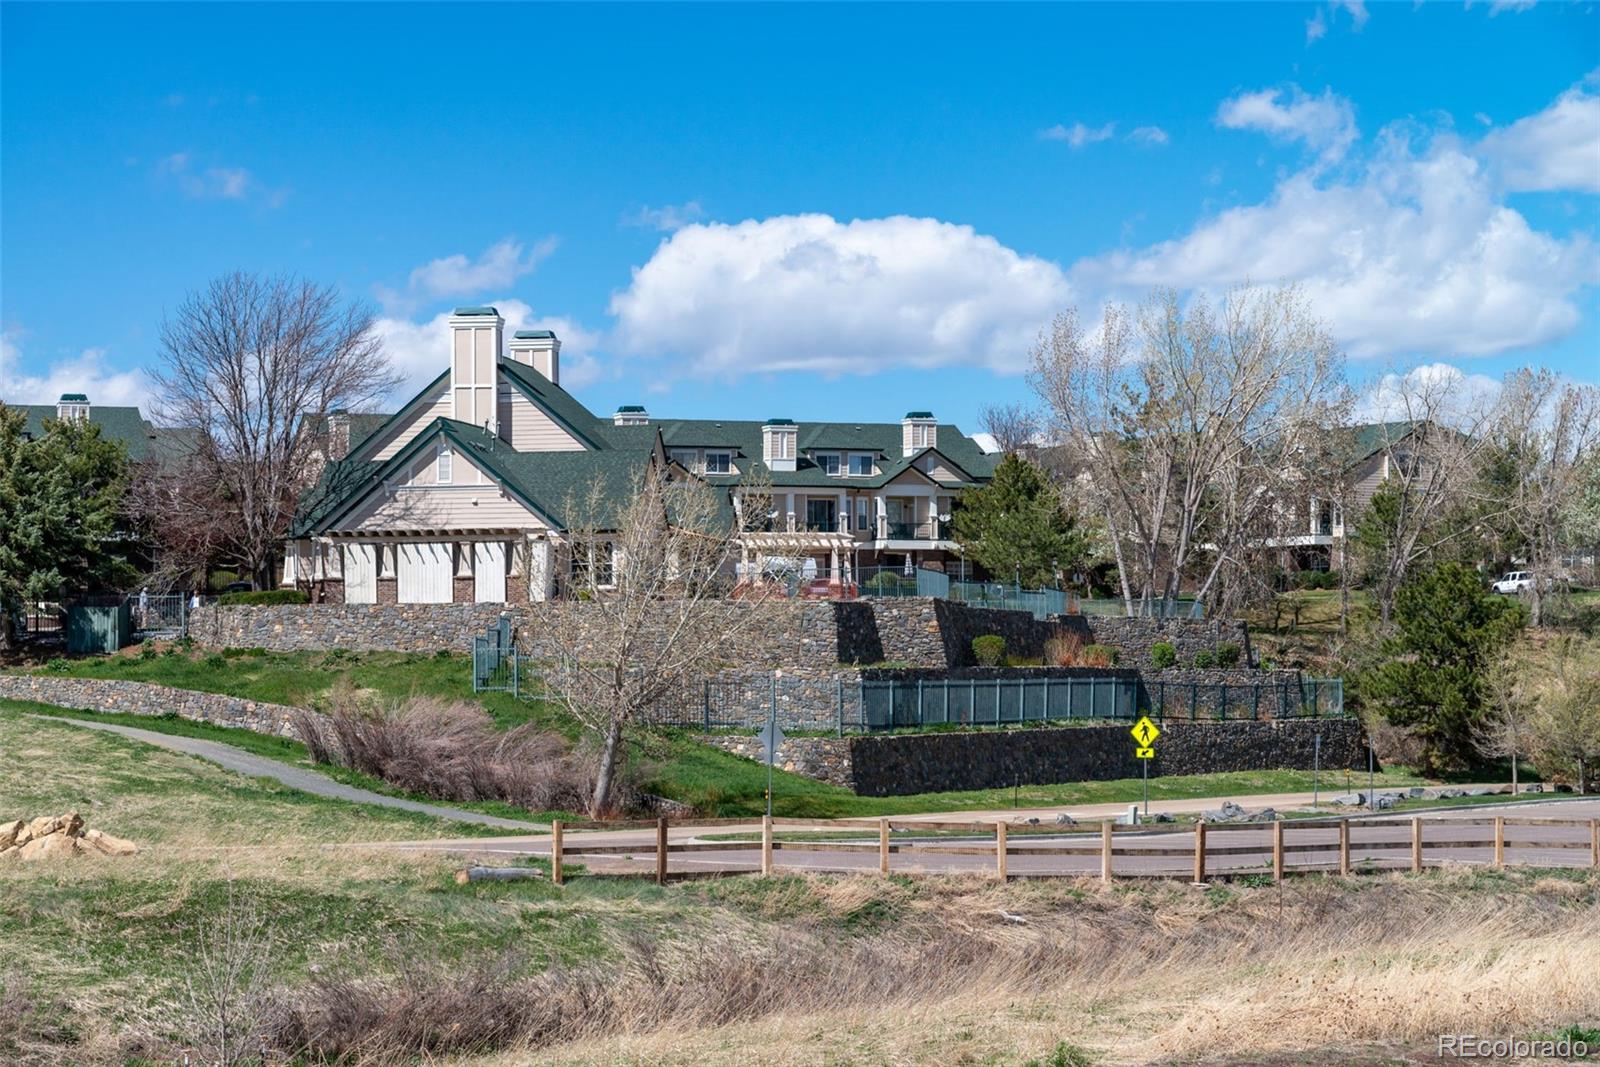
301,778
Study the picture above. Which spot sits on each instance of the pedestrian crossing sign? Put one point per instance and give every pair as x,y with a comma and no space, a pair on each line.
1145,732
1144,752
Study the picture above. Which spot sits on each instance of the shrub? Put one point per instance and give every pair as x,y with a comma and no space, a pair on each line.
266,596
1163,654
1101,655
216,661
1205,658
451,751
147,649
220,580
1064,648
58,665
1228,654
989,650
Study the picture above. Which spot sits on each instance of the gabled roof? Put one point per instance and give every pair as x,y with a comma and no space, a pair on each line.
564,408
408,408
1372,437
138,436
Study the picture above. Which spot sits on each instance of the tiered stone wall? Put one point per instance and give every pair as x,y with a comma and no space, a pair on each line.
902,764
143,698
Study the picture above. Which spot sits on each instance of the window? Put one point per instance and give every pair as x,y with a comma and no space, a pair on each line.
863,506
829,462
718,462
684,457
446,461
861,463
595,559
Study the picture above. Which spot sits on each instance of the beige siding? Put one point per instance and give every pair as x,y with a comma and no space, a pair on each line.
473,501
939,469
1367,476
400,435
529,429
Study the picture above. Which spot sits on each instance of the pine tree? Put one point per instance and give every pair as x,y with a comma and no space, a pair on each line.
1015,527
1449,634
60,505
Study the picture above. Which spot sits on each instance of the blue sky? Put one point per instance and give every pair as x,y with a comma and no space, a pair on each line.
811,211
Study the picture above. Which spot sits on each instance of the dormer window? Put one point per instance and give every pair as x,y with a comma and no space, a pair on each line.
861,464
445,464
828,462
719,462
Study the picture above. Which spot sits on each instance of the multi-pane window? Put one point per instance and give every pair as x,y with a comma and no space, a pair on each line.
861,463
863,506
446,462
718,462
829,462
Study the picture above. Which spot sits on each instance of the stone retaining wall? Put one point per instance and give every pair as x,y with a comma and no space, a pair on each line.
143,698
789,634
902,764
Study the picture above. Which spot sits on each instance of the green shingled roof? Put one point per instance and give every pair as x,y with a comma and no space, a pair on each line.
122,424
477,309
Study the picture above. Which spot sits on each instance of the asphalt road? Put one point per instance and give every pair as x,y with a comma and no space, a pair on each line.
1455,836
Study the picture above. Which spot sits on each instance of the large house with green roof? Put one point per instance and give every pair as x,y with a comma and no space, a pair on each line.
142,440
464,494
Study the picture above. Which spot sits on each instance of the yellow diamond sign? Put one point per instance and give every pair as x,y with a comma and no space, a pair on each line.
1145,732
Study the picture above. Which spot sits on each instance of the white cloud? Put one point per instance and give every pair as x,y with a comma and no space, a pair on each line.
1077,135
1356,9
1556,149
501,264
85,373
1316,27
216,182
1514,6
420,351
1149,135
1399,395
808,292
1326,123
1415,254
667,217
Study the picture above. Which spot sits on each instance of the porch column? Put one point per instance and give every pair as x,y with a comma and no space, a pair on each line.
541,569
881,516
788,507
833,564
841,517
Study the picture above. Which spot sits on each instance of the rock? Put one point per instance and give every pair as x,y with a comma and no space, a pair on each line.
1416,792
1161,816
1385,801
49,847
1064,819
1533,787
8,833
108,845
1033,822
1346,799
44,824
1479,792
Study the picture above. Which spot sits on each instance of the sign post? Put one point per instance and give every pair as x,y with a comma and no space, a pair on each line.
1145,733
771,736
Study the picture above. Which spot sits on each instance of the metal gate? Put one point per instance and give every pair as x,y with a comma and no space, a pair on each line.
496,666
158,615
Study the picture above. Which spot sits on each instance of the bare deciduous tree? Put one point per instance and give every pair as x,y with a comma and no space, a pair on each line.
1508,728
229,982
651,582
1185,426
1548,431
248,362
1566,723
1013,426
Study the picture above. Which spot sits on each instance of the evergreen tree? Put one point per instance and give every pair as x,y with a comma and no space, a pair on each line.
1433,678
1015,526
60,502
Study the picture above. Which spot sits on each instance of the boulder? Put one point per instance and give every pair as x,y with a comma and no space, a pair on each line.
9,832
1161,816
1416,792
49,847
1533,787
1385,801
1346,799
107,845
1064,819
1264,815
43,825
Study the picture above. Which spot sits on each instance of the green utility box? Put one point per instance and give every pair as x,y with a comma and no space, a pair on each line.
99,628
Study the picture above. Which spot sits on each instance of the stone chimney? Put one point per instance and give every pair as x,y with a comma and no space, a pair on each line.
338,434
475,337
73,407
780,439
539,349
631,415
918,430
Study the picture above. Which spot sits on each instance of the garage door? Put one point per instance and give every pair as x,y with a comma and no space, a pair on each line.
489,572
424,574
360,574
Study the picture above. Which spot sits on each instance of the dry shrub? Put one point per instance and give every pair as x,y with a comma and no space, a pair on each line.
1394,744
1064,648
450,751
33,1028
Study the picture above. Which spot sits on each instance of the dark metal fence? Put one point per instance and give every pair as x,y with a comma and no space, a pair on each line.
892,582
159,615
496,665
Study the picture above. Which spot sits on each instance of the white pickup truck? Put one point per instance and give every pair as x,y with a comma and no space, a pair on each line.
1514,582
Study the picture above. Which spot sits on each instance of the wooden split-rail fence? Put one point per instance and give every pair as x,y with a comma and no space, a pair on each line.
1214,851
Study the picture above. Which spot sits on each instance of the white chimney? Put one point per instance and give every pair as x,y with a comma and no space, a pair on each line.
539,349
72,407
475,336
779,444
918,430
631,415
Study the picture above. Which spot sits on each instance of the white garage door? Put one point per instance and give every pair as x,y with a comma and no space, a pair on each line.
360,574
424,573
489,572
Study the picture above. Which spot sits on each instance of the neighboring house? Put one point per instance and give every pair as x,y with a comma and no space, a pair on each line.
1377,451
466,493
143,441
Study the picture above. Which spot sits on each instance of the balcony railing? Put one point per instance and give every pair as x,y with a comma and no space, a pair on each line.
910,531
